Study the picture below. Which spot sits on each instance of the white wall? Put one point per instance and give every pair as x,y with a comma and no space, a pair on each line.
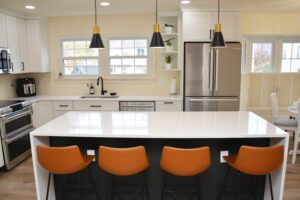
6,90
111,26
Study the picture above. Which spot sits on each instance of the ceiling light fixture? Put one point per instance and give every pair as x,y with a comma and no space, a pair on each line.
157,41
96,40
218,39
30,7
184,2
105,3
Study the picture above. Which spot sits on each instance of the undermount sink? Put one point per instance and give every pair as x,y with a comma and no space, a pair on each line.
99,96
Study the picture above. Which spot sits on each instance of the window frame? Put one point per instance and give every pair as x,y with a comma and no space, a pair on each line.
129,76
286,40
61,57
250,42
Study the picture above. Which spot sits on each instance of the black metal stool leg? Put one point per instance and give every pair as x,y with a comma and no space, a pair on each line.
93,182
223,184
48,186
271,188
237,187
146,188
164,186
198,187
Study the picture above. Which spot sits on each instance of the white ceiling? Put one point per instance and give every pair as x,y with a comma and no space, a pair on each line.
85,7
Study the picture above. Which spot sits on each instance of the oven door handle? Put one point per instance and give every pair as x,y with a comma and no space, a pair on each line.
11,140
9,119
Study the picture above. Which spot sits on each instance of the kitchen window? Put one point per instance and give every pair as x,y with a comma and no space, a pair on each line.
78,59
262,57
290,57
128,56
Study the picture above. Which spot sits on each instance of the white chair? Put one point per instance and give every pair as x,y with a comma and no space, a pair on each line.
297,135
283,123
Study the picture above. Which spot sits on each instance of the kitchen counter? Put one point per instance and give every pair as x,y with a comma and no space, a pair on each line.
120,98
219,130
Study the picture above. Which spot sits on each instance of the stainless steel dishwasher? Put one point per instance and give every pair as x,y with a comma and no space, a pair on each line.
137,106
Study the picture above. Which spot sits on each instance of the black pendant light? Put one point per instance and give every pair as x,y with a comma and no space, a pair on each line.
218,39
96,40
157,41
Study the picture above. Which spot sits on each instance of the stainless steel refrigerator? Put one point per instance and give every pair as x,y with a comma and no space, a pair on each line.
212,78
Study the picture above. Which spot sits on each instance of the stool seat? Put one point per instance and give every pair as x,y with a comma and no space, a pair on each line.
286,122
185,162
123,161
62,160
256,160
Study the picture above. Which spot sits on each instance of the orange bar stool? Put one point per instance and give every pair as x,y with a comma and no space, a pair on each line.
63,161
256,161
125,162
184,163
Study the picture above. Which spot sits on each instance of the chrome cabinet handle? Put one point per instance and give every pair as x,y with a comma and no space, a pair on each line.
63,106
23,66
168,102
210,72
217,70
95,106
137,106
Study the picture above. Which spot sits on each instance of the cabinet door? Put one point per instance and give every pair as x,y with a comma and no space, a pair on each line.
168,106
3,38
35,114
12,41
96,106
230,22
197,26
23,48
45,112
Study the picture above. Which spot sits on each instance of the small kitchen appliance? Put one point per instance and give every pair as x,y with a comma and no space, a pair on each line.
5,62
26,87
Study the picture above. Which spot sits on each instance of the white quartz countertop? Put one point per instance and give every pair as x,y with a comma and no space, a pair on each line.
120,98
160,125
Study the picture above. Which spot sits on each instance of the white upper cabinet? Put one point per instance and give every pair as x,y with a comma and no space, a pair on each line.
12,41
196,26
3,38
199,25
37,38
23,48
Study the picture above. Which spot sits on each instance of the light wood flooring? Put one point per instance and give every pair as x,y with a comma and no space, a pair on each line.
19,183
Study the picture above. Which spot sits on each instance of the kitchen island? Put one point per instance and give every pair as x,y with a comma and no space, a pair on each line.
219,130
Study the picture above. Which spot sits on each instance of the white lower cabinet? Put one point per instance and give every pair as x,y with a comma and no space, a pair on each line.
96,106
168,106
42,113
61,107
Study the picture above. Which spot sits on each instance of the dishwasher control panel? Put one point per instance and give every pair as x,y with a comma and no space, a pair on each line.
137,106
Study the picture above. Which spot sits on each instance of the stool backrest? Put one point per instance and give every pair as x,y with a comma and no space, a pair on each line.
185,162
259,160
60,160
274,102
123,161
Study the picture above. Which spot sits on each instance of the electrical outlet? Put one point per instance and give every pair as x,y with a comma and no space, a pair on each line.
90,152
223,153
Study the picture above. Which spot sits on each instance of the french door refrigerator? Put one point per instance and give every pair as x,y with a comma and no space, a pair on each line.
212,77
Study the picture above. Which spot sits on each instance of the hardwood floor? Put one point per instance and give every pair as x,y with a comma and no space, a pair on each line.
19,183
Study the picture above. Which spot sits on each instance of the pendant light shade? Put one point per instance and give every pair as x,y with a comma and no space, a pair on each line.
96,41
218,39
156,41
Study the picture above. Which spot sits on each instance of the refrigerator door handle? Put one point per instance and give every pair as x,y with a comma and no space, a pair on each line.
214,99
211,59
217,70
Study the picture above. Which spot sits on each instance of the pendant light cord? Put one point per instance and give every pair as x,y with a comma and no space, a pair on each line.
156,12
95,12
218,11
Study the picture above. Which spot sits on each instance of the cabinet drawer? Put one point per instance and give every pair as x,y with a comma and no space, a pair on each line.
168,106
96,106
63,105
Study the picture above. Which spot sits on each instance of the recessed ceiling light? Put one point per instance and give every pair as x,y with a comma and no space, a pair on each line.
30,7
185,2
104,3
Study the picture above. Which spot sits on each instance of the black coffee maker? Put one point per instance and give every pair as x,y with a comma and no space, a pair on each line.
26,87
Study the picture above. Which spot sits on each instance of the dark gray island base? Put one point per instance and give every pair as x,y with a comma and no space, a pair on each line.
210,181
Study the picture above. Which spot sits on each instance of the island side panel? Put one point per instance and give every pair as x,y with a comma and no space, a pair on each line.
278,177
40,175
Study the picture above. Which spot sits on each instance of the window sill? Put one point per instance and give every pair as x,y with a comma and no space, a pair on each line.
108,77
